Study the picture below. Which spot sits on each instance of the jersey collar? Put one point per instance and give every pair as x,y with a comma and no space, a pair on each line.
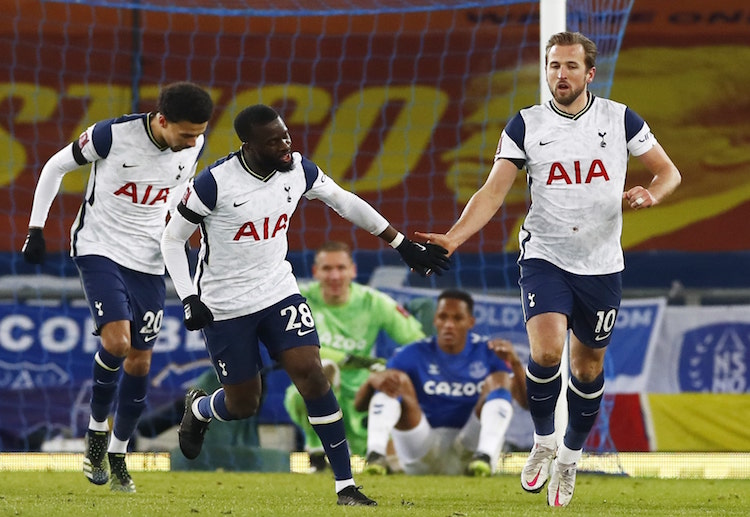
245,166
578,115
147,122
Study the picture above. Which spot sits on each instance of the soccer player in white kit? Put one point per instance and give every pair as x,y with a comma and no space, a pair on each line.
244,290
575,149
140,164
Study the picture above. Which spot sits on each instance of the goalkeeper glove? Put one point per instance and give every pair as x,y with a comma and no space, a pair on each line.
426,258
358,361
197,315
34,248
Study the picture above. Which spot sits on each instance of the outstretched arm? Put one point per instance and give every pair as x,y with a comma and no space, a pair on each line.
421,258
482,206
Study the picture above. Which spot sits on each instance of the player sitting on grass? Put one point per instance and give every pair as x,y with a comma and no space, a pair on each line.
445,400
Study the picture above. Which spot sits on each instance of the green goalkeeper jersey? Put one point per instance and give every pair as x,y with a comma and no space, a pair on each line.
352,328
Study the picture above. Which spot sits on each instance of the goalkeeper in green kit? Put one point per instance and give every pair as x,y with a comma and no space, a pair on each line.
349,317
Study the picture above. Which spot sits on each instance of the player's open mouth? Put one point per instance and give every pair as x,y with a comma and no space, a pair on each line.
286,158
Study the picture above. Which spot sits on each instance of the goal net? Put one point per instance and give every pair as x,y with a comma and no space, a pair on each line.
400,101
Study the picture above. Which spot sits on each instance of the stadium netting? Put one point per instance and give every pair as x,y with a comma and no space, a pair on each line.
400,101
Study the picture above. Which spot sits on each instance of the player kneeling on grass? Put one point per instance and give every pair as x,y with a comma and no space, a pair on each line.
445,400
245,291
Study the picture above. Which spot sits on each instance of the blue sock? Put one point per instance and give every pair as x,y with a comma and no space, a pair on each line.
543,385
584,400
131,402
106,372
327,420
214,406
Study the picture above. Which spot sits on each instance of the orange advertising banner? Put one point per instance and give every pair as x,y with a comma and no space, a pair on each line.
404,109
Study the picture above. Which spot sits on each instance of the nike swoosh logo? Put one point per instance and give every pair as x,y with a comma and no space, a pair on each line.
545,143
541,399
534,481
334,445
420,246
150,338
126,166
301,333
590,414
236,204
602,338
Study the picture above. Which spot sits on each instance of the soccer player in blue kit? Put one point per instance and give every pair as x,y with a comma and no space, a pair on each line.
244,290
575,149
445,400
140,165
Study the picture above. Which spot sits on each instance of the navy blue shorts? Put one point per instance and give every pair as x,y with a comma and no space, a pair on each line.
234,344
116,293
591,302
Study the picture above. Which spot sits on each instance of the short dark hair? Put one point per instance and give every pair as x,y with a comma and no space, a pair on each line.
567,39
184,101
248,118
457,294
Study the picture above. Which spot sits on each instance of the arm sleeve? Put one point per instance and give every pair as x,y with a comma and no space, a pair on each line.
401,327
637,133
178,231
511,143
61,163
348,205
335,355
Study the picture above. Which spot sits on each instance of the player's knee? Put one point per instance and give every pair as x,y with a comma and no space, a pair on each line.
585,375
137,362
117,345
547,357
586,369
313,384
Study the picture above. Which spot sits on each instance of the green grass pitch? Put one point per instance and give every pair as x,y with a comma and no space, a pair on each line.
52,494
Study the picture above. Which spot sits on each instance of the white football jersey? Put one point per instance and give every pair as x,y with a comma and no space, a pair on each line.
576,168
244,220
132,186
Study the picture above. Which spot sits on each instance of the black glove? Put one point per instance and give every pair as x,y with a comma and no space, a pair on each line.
426,258
197,315
34,248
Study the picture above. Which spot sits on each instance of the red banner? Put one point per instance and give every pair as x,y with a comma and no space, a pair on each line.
403,109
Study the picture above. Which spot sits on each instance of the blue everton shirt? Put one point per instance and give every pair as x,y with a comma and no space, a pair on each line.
447,385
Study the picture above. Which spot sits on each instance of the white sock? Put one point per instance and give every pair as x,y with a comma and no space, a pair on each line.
549,441
343,483
118,446
495,419
383,415
98,426
567,456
